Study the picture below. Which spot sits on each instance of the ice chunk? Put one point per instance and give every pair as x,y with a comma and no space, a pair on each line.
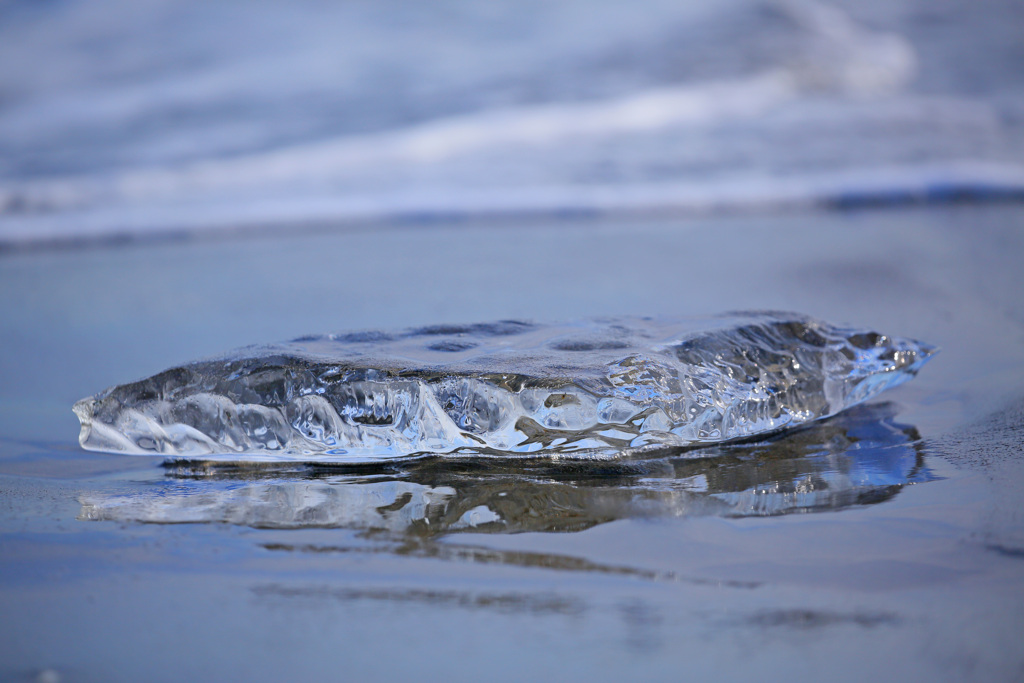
591,389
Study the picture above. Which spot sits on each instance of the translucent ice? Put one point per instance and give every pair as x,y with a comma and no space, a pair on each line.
594,389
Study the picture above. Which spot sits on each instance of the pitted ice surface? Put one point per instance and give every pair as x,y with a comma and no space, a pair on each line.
591,389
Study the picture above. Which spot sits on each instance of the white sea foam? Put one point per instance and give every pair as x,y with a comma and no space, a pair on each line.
740,193
829,122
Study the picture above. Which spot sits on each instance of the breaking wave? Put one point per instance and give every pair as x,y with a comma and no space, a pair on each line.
812,111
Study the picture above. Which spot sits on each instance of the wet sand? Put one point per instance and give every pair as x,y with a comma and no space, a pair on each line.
925,582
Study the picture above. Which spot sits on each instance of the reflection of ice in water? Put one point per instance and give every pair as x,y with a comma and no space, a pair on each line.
860,457
387,505
594,389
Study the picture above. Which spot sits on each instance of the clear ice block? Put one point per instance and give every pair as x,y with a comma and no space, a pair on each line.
602,388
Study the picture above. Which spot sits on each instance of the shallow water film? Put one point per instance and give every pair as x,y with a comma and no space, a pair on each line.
597,389
884,528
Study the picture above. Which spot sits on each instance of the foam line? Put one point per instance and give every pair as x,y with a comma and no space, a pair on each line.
862,187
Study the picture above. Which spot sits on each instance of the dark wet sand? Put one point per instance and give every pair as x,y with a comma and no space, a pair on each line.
924,584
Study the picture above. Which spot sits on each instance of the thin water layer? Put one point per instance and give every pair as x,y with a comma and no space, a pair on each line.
599,389
861,457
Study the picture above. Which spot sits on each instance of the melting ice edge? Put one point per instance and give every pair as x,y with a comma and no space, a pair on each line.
596,389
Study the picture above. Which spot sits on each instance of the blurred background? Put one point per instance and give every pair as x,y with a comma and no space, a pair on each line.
141,117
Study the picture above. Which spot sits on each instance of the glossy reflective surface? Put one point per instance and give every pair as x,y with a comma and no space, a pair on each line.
893,529
599,389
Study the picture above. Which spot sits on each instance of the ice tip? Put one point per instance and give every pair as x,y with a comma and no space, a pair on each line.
923,353
83,410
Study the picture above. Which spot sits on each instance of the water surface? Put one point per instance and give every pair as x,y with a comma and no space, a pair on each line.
883,530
